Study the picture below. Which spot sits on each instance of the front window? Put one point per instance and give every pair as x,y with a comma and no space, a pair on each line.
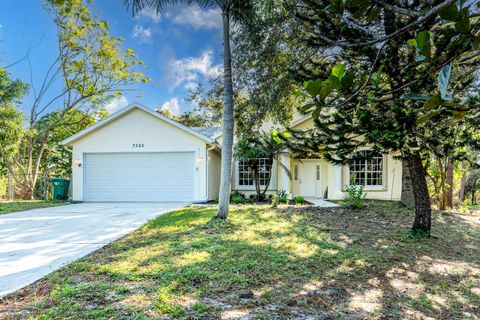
245,177
367,170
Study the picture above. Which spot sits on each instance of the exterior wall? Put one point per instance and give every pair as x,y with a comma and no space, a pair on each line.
214,170
333,180
392,184
139,127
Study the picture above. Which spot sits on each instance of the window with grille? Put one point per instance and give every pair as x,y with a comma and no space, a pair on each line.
245,177
367,171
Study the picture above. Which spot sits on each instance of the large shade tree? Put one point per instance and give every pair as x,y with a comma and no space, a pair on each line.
380,78
228,8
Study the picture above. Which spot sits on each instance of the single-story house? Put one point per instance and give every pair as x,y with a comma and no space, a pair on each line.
137,154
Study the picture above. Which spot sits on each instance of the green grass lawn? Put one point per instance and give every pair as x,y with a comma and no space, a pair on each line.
14,206
284,263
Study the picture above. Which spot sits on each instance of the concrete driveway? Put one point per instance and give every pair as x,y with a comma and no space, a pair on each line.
36,242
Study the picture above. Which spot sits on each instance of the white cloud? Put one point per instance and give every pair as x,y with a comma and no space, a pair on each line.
116,103
198,18
144,35
186,71
172,105
191,85
148,14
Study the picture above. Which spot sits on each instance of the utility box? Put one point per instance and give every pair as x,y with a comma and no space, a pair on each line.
60,189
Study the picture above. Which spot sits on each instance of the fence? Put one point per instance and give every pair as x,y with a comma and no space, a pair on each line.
42,191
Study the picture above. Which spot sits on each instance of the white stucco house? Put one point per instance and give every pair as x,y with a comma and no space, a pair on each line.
137,154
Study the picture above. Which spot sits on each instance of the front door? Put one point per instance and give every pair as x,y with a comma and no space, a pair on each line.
307,179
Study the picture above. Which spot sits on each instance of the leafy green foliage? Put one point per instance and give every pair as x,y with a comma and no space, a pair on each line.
355,198
92,68
262,146
395,78
266,91
3,187
11,90
237,199
299,200
57,160
280,197
11,120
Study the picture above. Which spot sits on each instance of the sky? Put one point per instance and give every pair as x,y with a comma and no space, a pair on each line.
180,47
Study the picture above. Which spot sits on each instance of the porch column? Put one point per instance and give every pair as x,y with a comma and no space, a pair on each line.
284,181
335,182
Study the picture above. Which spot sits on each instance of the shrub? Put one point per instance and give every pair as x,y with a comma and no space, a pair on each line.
3,187
355,197
274,202
237,199
280,197
216,200
299,200
237,193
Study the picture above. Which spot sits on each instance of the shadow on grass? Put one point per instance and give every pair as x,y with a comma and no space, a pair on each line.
286,263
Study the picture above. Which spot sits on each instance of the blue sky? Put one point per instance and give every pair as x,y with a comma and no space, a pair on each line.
181,47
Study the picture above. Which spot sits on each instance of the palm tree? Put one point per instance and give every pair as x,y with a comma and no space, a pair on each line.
226,7
266,146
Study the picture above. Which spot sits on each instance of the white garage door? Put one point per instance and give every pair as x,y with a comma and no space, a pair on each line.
163,176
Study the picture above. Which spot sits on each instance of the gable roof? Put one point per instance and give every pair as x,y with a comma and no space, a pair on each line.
120,113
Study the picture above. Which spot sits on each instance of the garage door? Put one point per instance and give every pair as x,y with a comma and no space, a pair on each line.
163,176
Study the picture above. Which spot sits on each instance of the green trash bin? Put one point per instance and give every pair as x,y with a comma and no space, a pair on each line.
60,189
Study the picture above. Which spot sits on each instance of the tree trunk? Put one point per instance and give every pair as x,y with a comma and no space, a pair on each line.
423,212
227,139
270,168
461,193
443,194
436,189
449,184
256,180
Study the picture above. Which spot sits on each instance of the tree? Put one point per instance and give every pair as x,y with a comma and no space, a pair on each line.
228,9
11,123
90,69
206,111
57,160
471,186
372,81
266,146
263,77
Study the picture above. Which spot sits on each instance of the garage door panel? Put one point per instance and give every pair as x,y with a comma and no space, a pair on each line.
163,176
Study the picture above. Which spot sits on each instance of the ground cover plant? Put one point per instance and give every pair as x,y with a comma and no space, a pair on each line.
270,263
14,206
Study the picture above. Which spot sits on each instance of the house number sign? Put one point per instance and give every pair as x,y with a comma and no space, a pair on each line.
138,145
